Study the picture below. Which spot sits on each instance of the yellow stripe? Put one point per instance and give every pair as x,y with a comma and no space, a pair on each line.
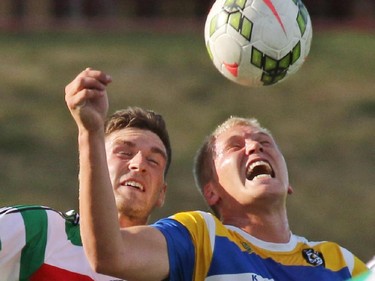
195,222
203,229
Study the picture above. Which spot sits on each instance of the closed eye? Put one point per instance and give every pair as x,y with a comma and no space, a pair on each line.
153,161
234,143
236,146
126,154
233,147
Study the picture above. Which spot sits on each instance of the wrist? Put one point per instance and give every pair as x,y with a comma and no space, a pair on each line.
85,137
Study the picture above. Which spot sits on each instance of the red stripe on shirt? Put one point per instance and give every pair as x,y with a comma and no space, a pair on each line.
48,272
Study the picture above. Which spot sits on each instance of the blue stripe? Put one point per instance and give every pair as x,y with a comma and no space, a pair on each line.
230,259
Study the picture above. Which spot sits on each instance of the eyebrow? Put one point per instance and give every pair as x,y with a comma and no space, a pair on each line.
254,134
261,133
233,138
159,151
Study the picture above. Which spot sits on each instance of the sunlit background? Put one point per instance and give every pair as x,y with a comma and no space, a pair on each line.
323,116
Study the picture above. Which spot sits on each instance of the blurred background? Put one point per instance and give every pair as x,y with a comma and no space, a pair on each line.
322,116
31,14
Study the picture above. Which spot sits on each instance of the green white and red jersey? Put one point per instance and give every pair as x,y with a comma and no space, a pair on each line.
39,243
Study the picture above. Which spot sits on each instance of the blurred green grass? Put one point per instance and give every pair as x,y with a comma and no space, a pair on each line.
323,118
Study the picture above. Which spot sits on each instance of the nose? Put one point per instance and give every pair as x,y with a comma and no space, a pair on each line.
253,147
137,162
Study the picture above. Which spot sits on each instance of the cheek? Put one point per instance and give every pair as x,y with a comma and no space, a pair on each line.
225,166
159,178
284,170
114,169
223,162
112,176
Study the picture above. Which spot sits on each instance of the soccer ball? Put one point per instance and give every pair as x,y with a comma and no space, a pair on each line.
258,42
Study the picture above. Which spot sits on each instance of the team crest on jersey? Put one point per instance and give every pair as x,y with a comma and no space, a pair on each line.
313,257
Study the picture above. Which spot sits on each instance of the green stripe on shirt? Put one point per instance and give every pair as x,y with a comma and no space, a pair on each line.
36,226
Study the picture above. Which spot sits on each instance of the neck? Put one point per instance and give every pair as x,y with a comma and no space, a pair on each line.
267,227
127,221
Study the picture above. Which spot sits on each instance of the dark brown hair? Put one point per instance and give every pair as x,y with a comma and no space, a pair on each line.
136,117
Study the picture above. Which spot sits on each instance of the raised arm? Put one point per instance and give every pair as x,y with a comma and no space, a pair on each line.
135,253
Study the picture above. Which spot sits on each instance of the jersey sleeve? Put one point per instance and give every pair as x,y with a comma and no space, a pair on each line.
355,265
190,239
181,251
39,243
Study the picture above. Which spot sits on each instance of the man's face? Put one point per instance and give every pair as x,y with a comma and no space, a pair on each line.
136,161
250,167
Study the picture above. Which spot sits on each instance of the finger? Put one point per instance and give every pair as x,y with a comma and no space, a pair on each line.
89,78
82,83
81,98
89,82
97,74
87,96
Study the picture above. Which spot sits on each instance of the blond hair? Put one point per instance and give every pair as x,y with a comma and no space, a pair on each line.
203,163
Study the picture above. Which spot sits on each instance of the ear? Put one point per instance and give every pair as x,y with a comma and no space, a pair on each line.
290,189
210,194
162,194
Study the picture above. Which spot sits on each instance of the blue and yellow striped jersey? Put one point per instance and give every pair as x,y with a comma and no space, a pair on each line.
200,248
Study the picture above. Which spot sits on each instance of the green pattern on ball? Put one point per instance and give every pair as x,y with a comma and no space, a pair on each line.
247,27
256,57
234,5
301,23
232,15
296,52
274,70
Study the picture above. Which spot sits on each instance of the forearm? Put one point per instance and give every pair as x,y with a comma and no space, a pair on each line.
108,250
111,251
97,205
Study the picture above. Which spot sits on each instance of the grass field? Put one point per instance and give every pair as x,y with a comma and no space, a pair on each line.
323,118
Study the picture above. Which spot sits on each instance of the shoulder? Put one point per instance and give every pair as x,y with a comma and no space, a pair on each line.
336,255
36,216
197,226
197,220
34,209
330,249
193,222
194,216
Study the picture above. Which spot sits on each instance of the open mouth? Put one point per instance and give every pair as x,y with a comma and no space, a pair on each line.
259,169
133,184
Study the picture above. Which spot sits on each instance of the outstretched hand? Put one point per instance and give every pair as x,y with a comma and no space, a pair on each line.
87,100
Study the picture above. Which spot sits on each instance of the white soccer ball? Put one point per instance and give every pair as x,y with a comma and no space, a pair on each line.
258,42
